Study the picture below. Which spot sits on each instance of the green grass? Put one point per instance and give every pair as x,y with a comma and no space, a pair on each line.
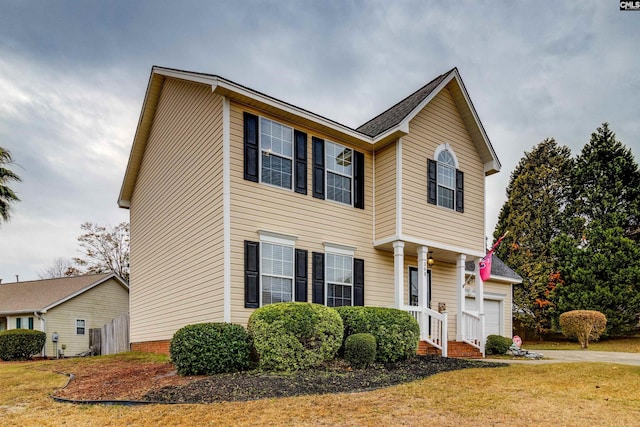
572,394
627,345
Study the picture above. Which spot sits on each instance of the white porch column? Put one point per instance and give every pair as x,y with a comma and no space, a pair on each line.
398,272
422,290
460,269
422,276
480,303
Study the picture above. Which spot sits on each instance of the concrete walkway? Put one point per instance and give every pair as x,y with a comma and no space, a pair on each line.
560,356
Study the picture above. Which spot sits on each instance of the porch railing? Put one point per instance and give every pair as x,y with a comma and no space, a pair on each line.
472,323
433,326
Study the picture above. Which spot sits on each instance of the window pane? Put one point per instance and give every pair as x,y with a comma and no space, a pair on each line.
276,170
276,289
445,197
277,273
338,295
276,143
338,188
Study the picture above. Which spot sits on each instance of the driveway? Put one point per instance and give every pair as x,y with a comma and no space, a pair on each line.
559,356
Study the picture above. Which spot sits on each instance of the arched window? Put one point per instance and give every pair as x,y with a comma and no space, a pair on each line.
445,181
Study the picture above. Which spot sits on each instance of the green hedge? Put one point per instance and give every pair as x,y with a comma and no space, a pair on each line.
210,348
497,344
396,331
360,350
21,344
295,335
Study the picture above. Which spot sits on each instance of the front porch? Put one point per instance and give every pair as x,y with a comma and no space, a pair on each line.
462,336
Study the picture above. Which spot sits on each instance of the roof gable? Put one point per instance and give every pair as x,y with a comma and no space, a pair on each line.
387,126
42,295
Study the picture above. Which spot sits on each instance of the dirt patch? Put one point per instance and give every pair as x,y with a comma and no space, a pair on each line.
158,382
120,380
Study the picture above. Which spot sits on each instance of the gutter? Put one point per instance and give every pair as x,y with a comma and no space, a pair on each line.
44,327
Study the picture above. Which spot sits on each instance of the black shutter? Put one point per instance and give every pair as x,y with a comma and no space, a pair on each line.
432,180
301,275
318,167
300,155
251,274
317,285
358,281
251,149
358,180
459,191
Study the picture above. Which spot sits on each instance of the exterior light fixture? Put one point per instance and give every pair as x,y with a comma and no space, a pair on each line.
430,260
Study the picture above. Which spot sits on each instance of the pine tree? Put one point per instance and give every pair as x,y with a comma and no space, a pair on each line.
606,183
533,214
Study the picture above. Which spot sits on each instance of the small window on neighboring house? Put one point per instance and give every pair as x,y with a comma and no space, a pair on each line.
339,172
30,321
18,322
445,182
80,330
276,153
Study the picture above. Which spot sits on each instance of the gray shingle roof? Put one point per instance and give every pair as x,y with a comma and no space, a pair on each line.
498,268
394,115
21,297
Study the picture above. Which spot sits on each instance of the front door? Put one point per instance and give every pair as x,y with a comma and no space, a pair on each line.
414,288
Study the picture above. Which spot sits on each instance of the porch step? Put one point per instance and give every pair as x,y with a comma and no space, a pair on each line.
456,349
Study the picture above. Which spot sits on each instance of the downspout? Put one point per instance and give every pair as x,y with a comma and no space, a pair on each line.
44,329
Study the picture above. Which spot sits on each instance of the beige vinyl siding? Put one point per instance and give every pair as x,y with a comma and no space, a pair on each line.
385,176
96,307
438,123
256,206
176,216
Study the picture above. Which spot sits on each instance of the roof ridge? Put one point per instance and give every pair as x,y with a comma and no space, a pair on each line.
399,104
56,278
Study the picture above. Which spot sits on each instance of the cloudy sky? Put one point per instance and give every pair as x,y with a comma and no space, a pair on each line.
73,76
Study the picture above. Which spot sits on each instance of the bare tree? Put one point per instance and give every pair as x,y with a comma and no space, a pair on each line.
61,267
106,249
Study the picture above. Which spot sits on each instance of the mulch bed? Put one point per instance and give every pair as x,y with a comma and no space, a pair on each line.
334,378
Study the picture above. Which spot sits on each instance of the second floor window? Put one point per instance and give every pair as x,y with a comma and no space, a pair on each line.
446,180
276,149
339,172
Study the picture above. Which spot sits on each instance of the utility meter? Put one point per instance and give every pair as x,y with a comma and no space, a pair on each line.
54,337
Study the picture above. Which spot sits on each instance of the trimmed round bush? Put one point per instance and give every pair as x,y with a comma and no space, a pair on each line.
585,325
396,331
21,344
360,350
497,344
210,348
295,335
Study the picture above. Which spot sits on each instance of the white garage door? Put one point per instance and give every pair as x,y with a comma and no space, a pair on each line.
493,315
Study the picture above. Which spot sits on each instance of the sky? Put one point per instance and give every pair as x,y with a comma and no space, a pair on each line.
73,76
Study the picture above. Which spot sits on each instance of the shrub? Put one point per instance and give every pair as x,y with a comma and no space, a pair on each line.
396,331
21,344
585,325
360,350
210,348
295,335
497,344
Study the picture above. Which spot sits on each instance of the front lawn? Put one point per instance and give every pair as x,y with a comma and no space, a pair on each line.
571,394
626,345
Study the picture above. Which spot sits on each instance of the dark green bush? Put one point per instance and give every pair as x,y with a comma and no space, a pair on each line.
21,344
210,348
497,344
295,335
360,350
396,331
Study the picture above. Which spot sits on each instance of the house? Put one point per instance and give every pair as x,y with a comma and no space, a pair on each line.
67,306
238,199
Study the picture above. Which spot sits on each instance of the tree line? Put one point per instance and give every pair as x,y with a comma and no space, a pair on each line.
574,226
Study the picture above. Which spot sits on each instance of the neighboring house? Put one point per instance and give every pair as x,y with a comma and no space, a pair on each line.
68,306
238,200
